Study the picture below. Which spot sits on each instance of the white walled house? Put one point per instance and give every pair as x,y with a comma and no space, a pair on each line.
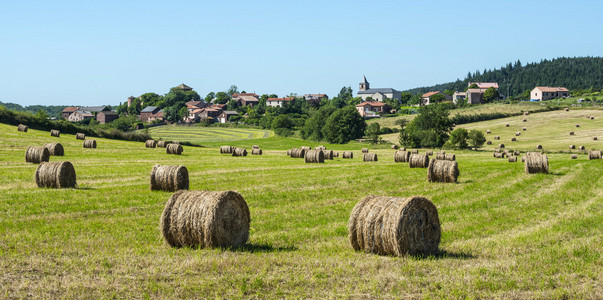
542,93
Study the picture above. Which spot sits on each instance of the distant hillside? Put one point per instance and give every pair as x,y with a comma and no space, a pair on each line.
51,110
574,73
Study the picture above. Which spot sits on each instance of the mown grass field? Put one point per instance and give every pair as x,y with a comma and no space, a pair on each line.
199,135
505,234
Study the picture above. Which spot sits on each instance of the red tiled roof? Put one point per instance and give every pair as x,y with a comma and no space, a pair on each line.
70,109
281,99
245,94
549,89
476,90
427,95
373,104
484,85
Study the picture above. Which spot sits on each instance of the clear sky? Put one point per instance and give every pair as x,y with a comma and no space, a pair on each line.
100,52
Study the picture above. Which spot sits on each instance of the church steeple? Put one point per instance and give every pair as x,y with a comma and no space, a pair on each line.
364,85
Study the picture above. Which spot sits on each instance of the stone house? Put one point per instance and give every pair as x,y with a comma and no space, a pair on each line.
278,102
104,117
151,113
80,115
372,109
246,99
225,115
543,93
427,97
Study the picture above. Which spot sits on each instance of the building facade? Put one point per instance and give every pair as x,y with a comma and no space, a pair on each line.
379,94
543,93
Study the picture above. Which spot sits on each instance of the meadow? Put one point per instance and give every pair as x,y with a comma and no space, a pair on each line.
199,135
505,234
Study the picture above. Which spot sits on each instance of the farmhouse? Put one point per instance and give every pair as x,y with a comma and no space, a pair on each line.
278,102
372,109
246,99
458,96
484,85
379,94
542,93
80,115
314,99
225,115
104,117
151,113
427,97
475,96
67,111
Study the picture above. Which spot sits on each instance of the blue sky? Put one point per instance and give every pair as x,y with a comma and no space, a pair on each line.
101,52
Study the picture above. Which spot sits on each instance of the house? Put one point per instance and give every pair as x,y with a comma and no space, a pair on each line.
427,97
372,109
95,109
484,85
246,99
210,114
378,94
196,104
80,115
315,99
459,96
67,111
278,102
104,117
475,96
542,93
151,113
225,115
185,88
193,116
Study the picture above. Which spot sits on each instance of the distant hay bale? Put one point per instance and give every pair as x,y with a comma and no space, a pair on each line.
499,155
169,178
488,131
36,155
577,125
365,150
256,151
572,147
571,133
516,153
536,162
574,156
442,171
582,148
524,129
328,154
513,140
595,138
239,152
512,158
501,145
298,152
162,144
255,147
226,149
56,174
55,133
496,150
538,146
348,155
497,137
401,156
369,157
418,161
150,144
55,149
525,113
175,142
90,144
507,125
321,147
80,136
523,159
335,154
449,156
566,109
429,153
524,120
306,148
414,151
489,143
22,128
441,155
395,226
594,154
518,133
205,219
289,152
592,118
314,156
174,149
394,147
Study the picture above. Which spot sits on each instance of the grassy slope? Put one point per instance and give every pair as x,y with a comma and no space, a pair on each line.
199,135
505,233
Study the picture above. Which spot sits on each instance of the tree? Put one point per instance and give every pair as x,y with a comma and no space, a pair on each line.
232,105
210,96
476,138
151,99
472,86
312,128
345,93
415,100
344,125
429,129
437,98
405,98
372,132
221,98
458,138
171,113
232,90
490,95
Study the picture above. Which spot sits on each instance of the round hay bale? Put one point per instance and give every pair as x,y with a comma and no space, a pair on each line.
536,162
524,120
55,133
175,142
174,149
592,118
538,146
566,109
507,125
488,131
574,156
594,154
289,152
80,136
516,153
572,147
441,155
524,129
512,158
162,144
577,125
501,145
90,144
418,161
518,133
328,154
306,148
449,156
497,137
226,149
298,152
256,151
150,144
36,155
320,148
414,151
429,153
56,174
239,152
489,143
523,159
365,150
395,226
369,157
169,178
255,147
595,138
335,154
499,155
205,219
582,148
348,155
55,149
401,156
22,128
496,150
442,171
571,133
525,113
394,147
314,156
513,140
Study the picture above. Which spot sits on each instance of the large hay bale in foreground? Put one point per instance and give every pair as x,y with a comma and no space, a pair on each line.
314,156
80,136
418,161
594,154
226,149
442,171
512,158
365,150
169,178
348,155
205,219
395,226
55,149
401,156
256,151
394,147
56,174
239,152
574,156
22,128
441,155
150,144
55,133
328,154
90,144
36,155
174,149
536,162
449,156
162,144
369,157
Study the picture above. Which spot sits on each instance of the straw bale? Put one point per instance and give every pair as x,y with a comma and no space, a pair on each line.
55,133
489,143
401,156
394,147
442,171
369,157
488,131
441,155
429,153
328,154
524,120
173,149
56,174
226,149
572,147
525,128
239,152
255,147
449,156
499,155
22,128
566,109
256,151
36,155
162,144
298,152
150,144
577,125
574,156
513,140
538,146
512,158
365,150
497,137
595,138
523,159
80,136
418,161
594,154
169,178
89,143
536,162
314,156
516,153
582,148
506,125
348,155
501,145
55,149
571,133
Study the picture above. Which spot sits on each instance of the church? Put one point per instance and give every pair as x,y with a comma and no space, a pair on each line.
378,94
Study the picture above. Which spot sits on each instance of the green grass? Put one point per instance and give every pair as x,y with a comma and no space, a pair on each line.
200,135
505,234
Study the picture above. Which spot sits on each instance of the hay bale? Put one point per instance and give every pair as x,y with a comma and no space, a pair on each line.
55,133
489,143
572,147
205,219
394,147
226,149
335,154
328,154
348,155
524,129
441,155
306,148
418,161
36,155
175,142
571,133
497,150
80,136
162,144
314,156
150,144
582,148
239,152
298,152
449,156
595,138
255,147
499,155
518,133
501,145
369,157
169,178
442,171
395,226
497,137
512,158
488,131
513,140
507,125
22,128
90,144
414,151
401,156
526,113
577,125
594,154
321,147
538,146
365,150
173,149
516,153
592,118
56,174
55,149
256,151
566,109
574,156
536,162
289,152
429,153
524,120
523,159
